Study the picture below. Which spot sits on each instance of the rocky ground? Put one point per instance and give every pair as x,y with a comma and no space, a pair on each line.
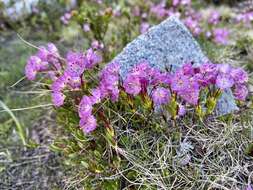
32,168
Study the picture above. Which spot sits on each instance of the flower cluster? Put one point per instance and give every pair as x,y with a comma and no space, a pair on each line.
193,24
159,10
108,88
45,59
233,77
175,91
245,18
97,45
200,24
214,18
187,82
72,77
184,86
193,19
65,73
221,36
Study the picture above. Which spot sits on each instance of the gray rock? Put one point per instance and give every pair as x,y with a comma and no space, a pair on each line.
226,104
168,44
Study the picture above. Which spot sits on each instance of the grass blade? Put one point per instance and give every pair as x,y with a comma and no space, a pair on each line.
20,129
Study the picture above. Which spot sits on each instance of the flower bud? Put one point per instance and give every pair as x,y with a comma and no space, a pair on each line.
147,103
199,111
210,104
172,107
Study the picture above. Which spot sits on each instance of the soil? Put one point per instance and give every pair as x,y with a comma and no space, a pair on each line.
33,168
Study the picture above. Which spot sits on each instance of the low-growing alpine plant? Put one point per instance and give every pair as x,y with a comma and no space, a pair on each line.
95,101
197,87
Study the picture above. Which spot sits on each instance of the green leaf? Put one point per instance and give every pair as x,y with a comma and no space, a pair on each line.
111,184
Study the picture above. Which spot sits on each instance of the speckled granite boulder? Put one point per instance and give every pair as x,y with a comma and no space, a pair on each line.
165,45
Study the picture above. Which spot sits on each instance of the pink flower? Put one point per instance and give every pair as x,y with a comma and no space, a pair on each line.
214,18
43,53
52,49
58,98
241,92
86,27
31,67
249,187
208,34
159,10
95,96
48,53
175,2
99,1
75,64
174,13
49,56
221,36
142,70
74,83
160,78
245,18
66,18
97,45
88,124
109,81
188,69
224,81
115,94
116,12
208,68
191,96
180,82
85,107
239,75
139,78
132,85
191,93
60,83
92,59
144,27
193,25
207,75
111,68
34,65
161,96
224,68
194,85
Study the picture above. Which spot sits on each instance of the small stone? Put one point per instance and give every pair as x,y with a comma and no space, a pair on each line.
169,45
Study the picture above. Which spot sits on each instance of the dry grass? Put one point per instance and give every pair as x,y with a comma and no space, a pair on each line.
205,156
